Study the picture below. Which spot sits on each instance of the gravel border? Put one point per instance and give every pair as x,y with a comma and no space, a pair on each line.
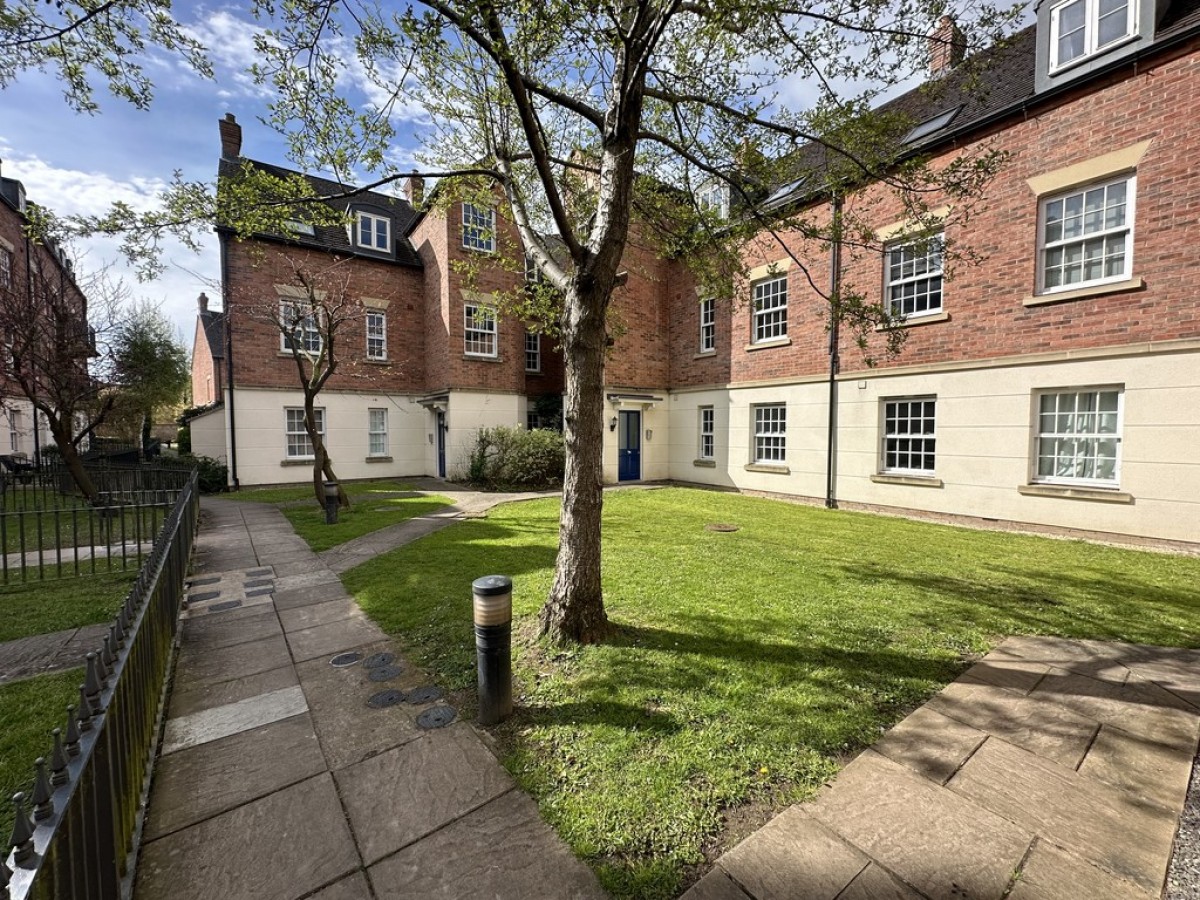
1183,875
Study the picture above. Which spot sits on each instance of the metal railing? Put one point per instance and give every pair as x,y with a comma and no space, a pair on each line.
47,530
77,834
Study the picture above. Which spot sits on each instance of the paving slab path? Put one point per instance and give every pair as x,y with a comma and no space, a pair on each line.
302,757
1051,770
40,654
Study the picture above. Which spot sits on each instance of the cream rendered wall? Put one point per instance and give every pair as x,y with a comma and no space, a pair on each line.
208,434
656,450
985,419
261,435
467,412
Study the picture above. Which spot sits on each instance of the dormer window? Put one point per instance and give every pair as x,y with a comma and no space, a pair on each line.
373,232
1081,28
714,199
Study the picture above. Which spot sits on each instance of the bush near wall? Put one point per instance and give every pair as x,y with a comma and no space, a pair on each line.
214,474
516,458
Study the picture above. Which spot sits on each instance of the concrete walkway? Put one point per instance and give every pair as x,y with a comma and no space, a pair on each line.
1051,770
302,758
39,654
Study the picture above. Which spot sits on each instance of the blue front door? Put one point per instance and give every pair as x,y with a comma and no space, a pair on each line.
629,446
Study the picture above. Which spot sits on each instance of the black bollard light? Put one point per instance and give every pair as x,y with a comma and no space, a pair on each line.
331,502
493,646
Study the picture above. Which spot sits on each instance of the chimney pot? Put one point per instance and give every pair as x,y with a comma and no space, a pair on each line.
231,137
202,301
947,46
414,190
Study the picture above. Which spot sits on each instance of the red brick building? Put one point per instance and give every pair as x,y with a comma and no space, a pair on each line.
1055,383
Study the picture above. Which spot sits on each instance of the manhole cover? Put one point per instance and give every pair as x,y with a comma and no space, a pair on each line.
203,595
384,673
263,582
384,699
345,659
722,527
426,694
223,607
436,717
375,660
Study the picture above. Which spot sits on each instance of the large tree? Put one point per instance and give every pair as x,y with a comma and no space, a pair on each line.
598,120
150,365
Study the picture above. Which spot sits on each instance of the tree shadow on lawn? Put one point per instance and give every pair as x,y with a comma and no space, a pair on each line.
1102,605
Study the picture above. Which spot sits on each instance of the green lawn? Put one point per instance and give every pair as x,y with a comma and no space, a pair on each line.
367,514
40,607
305,491
746,667
28,710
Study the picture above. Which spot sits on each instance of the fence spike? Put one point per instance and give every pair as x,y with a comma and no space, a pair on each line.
22,834
118,630
94,681
58,760
72,732
85,710
106,654
43,796
101,668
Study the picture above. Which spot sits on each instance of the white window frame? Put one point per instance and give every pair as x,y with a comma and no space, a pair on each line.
906,272
14,430
296,437
714,197
768,323
707,444
377,431
908,432
533,352
478,228
6,267
769,428
376,336
1091,32
708,325
480,331
1093,437
371,222
308,328
1045,246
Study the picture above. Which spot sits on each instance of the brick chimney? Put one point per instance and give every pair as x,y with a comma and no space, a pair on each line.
947,46
231,137
202,302
414,190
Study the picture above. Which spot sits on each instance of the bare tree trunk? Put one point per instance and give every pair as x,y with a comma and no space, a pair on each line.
574,611
322,465
74,464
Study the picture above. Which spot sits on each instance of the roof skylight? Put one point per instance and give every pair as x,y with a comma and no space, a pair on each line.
930,126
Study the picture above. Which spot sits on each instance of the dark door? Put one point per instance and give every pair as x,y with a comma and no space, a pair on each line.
629,446
441,443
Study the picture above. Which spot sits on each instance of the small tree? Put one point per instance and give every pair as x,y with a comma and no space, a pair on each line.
149,365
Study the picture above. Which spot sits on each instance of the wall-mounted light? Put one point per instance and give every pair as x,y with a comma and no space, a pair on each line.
649,433
612,424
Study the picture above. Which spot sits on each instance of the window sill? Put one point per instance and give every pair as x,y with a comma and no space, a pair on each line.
705,354
377,362
705,463
1098,290
483,250
767,345
297,461
479,357
1102,495
533,371
913,321
378,459
910,480
768,468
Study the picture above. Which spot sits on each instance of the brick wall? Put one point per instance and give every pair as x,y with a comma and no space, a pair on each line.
255,268
986,315
206,377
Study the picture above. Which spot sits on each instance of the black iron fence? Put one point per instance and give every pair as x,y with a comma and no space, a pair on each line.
76,834
49,530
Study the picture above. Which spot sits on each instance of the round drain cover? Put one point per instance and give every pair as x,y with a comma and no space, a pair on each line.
426,694
375,660
384,699
436,717
345,659
384,673
223,607
722,526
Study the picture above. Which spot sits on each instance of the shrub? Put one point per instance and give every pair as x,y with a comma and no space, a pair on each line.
214,474
516,458
184,440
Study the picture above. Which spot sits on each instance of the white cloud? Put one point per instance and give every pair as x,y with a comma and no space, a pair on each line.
69,191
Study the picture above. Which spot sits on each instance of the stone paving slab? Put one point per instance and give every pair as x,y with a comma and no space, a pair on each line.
793,855
875,883
401,795
232,627
353,888
334,637
228,663
1142,767
301,617
222,721
280,847
188,698
931,744
1100,823
501,851
42,653
1052,874
198,783
716,885
938,842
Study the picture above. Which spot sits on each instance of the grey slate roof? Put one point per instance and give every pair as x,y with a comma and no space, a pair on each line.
334,238
214,332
